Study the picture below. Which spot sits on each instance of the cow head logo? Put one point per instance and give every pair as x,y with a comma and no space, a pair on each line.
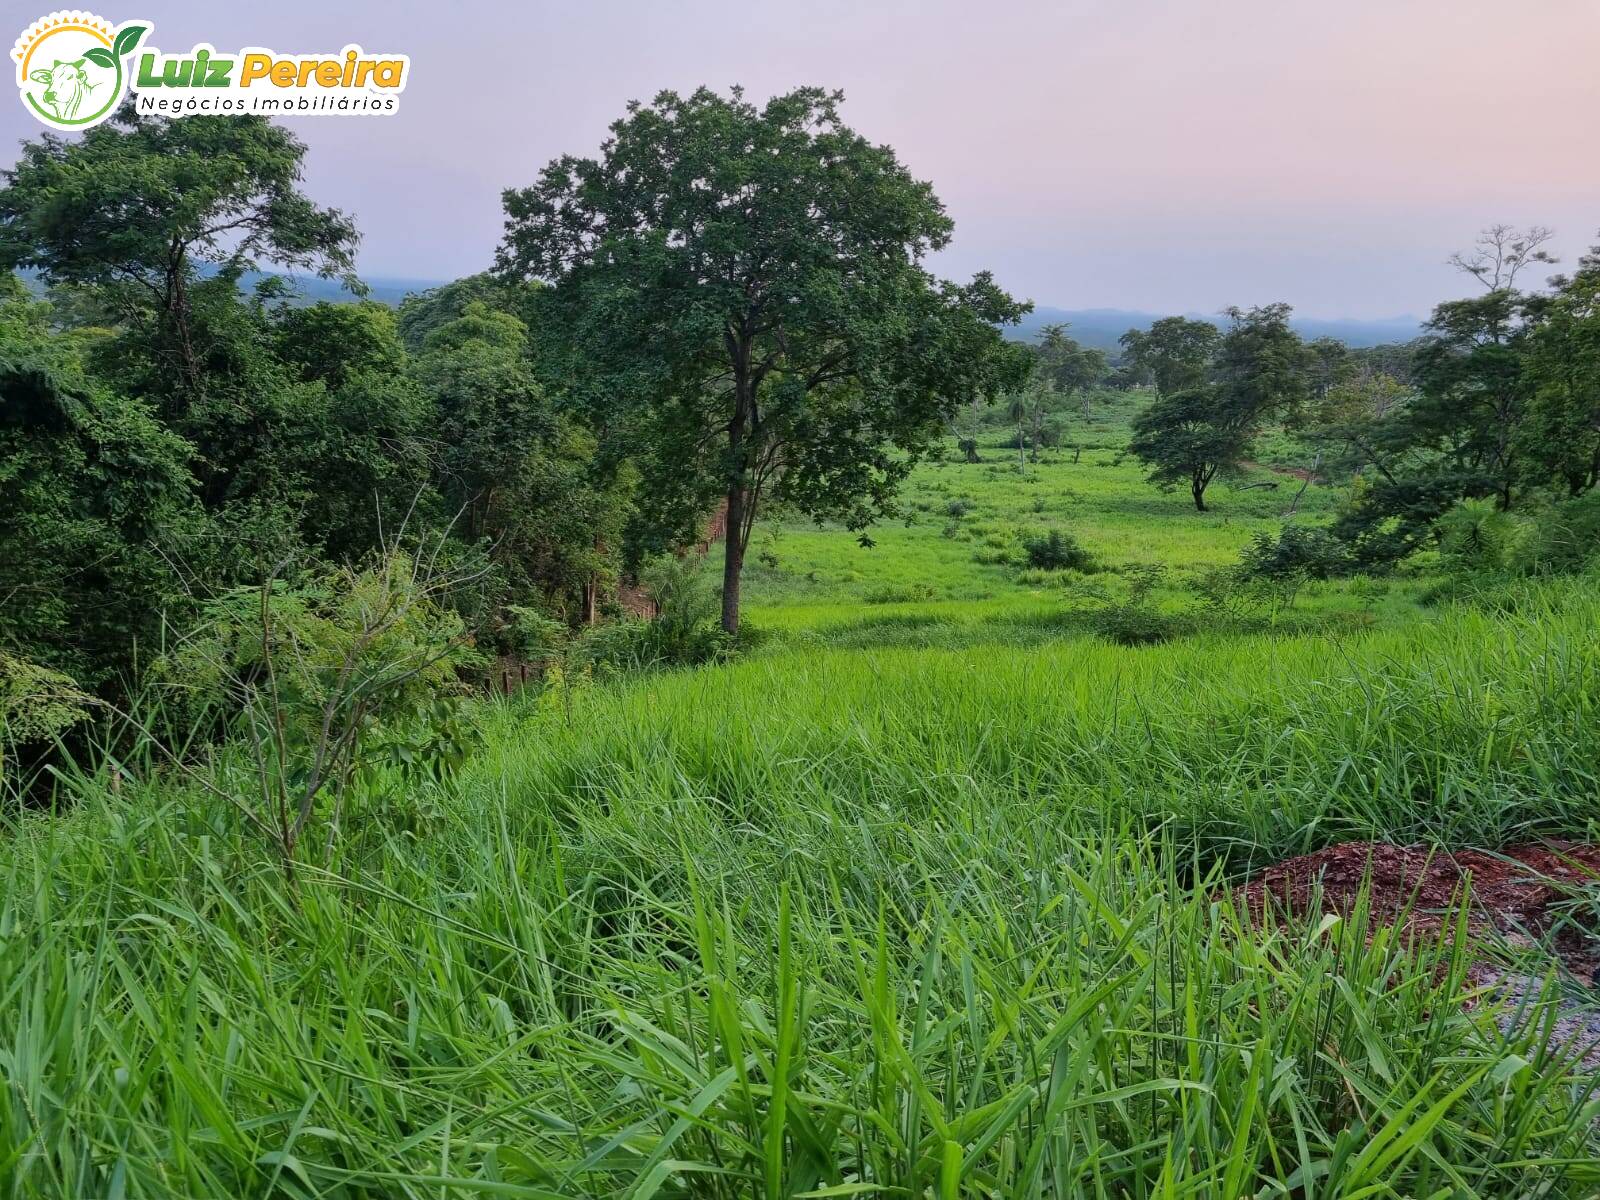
70,67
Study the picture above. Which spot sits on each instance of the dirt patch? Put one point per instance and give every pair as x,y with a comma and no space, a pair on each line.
1300,473
1514,893
1522,897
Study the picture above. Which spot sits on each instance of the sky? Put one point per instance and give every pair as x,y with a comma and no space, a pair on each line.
1160,155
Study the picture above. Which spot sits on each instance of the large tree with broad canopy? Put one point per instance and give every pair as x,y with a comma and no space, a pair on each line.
740,299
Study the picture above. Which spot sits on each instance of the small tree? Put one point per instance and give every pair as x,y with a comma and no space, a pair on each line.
740,299
1189,437
324,678
1068,367
1260,370
1175,352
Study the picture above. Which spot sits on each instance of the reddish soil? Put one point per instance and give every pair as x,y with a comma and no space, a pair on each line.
1297,472
1513,892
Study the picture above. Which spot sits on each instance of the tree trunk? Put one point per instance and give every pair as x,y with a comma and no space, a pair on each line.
733,559
1197,486
741,429
1316,465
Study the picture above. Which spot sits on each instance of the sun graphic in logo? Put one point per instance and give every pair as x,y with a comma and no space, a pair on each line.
70,67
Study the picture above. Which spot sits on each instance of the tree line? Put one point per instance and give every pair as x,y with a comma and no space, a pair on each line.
1498,402
727,307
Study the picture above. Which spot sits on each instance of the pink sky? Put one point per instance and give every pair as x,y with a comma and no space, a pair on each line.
1167,155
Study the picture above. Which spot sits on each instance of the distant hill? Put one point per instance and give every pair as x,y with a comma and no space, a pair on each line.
1101,327
384,289
388,290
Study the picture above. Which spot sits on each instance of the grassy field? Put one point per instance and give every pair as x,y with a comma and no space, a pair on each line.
923,897
956,555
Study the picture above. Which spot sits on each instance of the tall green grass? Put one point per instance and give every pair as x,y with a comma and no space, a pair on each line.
824,923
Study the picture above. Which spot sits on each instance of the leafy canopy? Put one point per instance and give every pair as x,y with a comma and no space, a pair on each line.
742,294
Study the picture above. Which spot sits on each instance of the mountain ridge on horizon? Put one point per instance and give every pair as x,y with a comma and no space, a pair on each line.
1095,327
1101,327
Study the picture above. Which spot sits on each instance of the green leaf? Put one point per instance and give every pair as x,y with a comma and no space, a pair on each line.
100,56
127,39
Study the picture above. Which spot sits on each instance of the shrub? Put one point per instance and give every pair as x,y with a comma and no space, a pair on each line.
37,706
1561,540
1134,624
959,507
900,593
326,679
1299,550
1476,537
634,644
1056,551
684,632
36,703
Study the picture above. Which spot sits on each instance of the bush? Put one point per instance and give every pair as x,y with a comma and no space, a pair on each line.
1561,540
685,600
1134,624
685,631
1475,537
1302,551
900,593
959,508
1057,551
634,644
37,703
326,680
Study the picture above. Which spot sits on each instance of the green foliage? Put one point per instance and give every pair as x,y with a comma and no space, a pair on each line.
334,342
1560,439
1561,538
1189,437
915,897
684,631
36,703
1554,538
1507,404
422,313
1134,624
1303,551
740,289
322,679
1476,536
1196,431
1057,550
136,204
95,508
681,589
1174,353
